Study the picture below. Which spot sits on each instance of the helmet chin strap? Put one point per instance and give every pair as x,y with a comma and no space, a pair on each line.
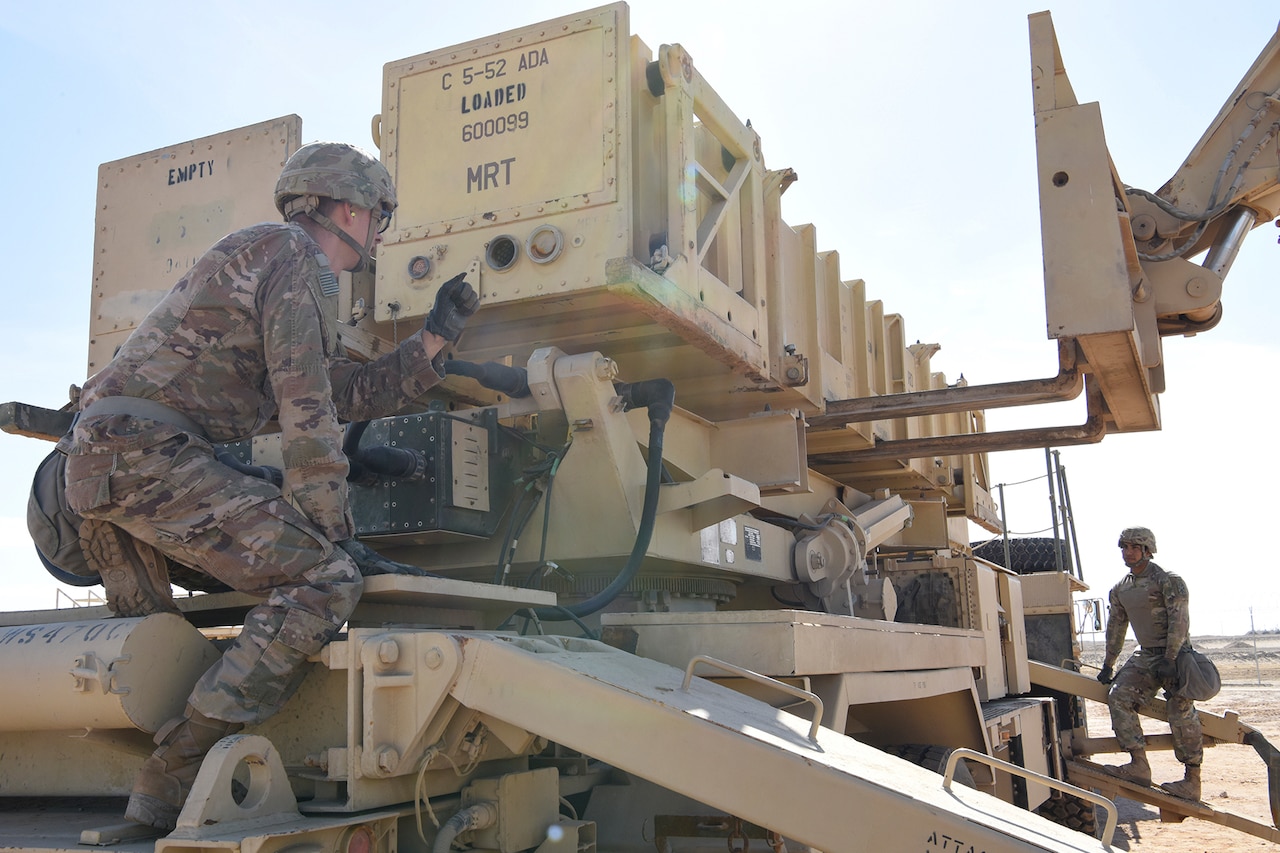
365,252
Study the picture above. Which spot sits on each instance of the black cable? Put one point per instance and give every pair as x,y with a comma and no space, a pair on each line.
511,534
529,614
530,476
658,396
546,506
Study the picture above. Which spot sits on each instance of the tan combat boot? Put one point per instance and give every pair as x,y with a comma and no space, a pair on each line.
1187,788
166,778
134,574
1137,771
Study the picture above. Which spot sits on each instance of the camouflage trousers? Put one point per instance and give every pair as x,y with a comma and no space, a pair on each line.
1134,685
168,490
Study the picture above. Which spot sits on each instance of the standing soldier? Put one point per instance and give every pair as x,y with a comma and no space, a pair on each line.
241,340
1156,604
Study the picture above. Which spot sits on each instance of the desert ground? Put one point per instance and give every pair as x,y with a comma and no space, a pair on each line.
1234,777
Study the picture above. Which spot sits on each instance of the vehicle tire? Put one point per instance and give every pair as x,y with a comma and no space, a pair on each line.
1028,555
1069,811
932,757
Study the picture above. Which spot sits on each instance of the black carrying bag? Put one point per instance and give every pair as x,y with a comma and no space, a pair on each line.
1198,678
54,528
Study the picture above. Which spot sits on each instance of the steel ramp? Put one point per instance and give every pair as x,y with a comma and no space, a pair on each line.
1172,809
731,752
1224,728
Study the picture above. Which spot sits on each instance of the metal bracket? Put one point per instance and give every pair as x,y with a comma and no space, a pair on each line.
213,802
90,668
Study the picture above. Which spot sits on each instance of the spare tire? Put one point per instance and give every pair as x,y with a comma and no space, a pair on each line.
932,757
1027,555
1070,811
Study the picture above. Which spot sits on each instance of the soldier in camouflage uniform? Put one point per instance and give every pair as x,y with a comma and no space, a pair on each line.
240,340
1156,604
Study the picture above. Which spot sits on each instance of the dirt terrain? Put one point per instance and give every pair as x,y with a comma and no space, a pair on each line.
1234,777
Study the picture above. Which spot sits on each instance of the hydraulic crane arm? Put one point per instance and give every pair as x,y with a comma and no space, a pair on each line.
1229,182
1117,274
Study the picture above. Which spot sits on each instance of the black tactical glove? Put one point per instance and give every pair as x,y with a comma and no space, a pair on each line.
373,563
1107,675
455,302
1166,671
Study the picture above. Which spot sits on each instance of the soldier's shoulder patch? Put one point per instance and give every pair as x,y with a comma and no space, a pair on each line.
1175,585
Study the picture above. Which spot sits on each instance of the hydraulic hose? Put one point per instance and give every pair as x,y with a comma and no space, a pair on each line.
658,396
398,462
478,816
512,381
1271,757
262,472
367,466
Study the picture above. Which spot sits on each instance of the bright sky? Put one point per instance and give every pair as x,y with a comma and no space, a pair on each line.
911,130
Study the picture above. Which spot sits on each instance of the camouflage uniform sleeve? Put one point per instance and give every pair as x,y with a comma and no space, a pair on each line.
297,353
1177,603
383,386
1117,626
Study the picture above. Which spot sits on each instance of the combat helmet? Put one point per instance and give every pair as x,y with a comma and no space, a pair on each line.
341,172
1138,536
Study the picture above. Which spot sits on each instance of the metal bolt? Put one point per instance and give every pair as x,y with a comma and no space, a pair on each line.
388,759
434,658
606,368
793,373
388,651
1144,226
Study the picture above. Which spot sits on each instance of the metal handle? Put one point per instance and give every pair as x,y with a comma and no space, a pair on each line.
811,698
1108,830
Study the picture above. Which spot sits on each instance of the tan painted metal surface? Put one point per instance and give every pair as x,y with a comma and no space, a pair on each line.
713,741
792,642
609,247
159,211
112,674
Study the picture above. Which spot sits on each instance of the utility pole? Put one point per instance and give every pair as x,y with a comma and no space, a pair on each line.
1257,667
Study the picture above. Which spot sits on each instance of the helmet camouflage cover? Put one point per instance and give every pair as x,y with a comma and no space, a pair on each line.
333,170
1138,536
